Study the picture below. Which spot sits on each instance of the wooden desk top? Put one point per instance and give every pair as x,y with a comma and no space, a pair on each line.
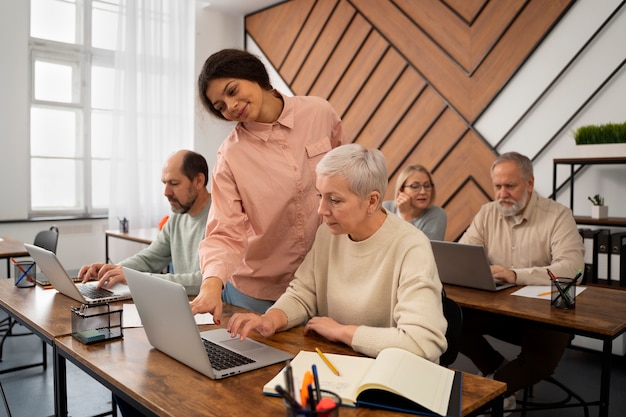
169,388
599,313
10,247
44,311
136,235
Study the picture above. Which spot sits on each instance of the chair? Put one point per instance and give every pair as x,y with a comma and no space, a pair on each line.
454,315
5,411
48,240
527,405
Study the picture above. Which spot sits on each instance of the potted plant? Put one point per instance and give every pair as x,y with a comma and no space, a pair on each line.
601,140
598,210
597,134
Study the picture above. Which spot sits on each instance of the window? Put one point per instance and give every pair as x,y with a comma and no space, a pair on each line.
72,45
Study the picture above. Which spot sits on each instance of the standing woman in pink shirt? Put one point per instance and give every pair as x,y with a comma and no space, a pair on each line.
263,215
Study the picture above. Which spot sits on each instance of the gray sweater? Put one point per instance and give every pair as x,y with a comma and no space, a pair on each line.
432,222
176,243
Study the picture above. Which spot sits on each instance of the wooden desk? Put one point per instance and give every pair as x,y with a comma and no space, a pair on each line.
600,313
158,385
45,312
11,248
134,235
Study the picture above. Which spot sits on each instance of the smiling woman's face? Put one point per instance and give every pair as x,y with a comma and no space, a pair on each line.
236,99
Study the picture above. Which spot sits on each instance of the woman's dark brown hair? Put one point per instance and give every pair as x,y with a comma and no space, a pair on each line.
231,63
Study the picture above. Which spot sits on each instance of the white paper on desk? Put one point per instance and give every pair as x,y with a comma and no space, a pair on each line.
533,291
130,317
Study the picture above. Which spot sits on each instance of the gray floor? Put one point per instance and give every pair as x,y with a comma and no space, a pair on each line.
30,392
579,369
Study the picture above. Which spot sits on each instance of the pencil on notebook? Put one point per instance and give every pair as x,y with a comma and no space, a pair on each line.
327,362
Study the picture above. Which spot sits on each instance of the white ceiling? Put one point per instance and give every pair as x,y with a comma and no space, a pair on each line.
237,7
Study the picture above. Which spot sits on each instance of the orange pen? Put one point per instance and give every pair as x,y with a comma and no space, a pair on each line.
304,390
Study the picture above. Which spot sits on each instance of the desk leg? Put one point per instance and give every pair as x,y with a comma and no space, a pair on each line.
60,384
605,377
497,407
106,249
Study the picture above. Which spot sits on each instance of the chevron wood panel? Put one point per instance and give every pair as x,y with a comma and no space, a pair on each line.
392,110
320,53
357,37
410,77
468,94
357,75
399,147
369,99
313,26
344,53
466,204
281,41
466,9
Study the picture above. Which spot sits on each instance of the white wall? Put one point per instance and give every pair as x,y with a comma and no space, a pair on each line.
214,31
14,143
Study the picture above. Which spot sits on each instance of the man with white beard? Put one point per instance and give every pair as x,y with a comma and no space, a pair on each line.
524,235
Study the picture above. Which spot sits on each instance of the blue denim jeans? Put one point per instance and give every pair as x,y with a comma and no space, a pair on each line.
233,296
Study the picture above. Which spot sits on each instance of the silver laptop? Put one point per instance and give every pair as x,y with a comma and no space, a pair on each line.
163,307
465,265
61,281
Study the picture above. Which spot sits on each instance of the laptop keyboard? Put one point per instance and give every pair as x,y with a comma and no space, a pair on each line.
222,358
90,291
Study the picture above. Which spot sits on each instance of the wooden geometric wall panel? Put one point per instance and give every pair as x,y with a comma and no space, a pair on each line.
410,77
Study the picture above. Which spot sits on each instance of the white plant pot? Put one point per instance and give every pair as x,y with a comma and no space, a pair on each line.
599,212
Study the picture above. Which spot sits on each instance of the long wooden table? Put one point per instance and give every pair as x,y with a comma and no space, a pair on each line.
161,386
600,314
158,385
11,248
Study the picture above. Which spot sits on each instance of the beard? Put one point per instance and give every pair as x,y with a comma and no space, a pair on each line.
515,207
182,208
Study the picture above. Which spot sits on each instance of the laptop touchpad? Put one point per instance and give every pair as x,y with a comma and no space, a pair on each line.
235,344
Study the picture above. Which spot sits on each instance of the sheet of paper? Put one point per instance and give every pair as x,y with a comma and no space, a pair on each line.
130,317
540,291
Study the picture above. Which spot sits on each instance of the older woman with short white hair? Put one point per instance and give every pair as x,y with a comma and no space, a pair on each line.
370,280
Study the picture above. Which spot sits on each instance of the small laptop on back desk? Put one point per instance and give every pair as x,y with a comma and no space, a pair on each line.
465,265
63,283
166,316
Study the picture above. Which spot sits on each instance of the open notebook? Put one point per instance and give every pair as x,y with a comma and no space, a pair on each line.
397,380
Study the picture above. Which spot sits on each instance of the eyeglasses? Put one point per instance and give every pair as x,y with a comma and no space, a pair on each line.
416,186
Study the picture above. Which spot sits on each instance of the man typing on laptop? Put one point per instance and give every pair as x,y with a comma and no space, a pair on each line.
185,176
524,234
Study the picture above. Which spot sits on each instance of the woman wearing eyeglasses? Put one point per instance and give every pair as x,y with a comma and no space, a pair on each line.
415,193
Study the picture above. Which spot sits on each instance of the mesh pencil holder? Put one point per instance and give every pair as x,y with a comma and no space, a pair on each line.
96,323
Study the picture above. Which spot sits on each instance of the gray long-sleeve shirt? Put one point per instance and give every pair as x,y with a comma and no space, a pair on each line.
176,243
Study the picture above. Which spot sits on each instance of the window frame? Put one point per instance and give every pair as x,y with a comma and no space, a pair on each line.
84,57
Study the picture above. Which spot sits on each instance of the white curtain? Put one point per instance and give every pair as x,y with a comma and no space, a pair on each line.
154,92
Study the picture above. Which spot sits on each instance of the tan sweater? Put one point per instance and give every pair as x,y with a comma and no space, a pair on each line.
387,285
545,236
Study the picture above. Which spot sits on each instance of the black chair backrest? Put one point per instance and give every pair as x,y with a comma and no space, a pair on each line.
48,239
453,313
